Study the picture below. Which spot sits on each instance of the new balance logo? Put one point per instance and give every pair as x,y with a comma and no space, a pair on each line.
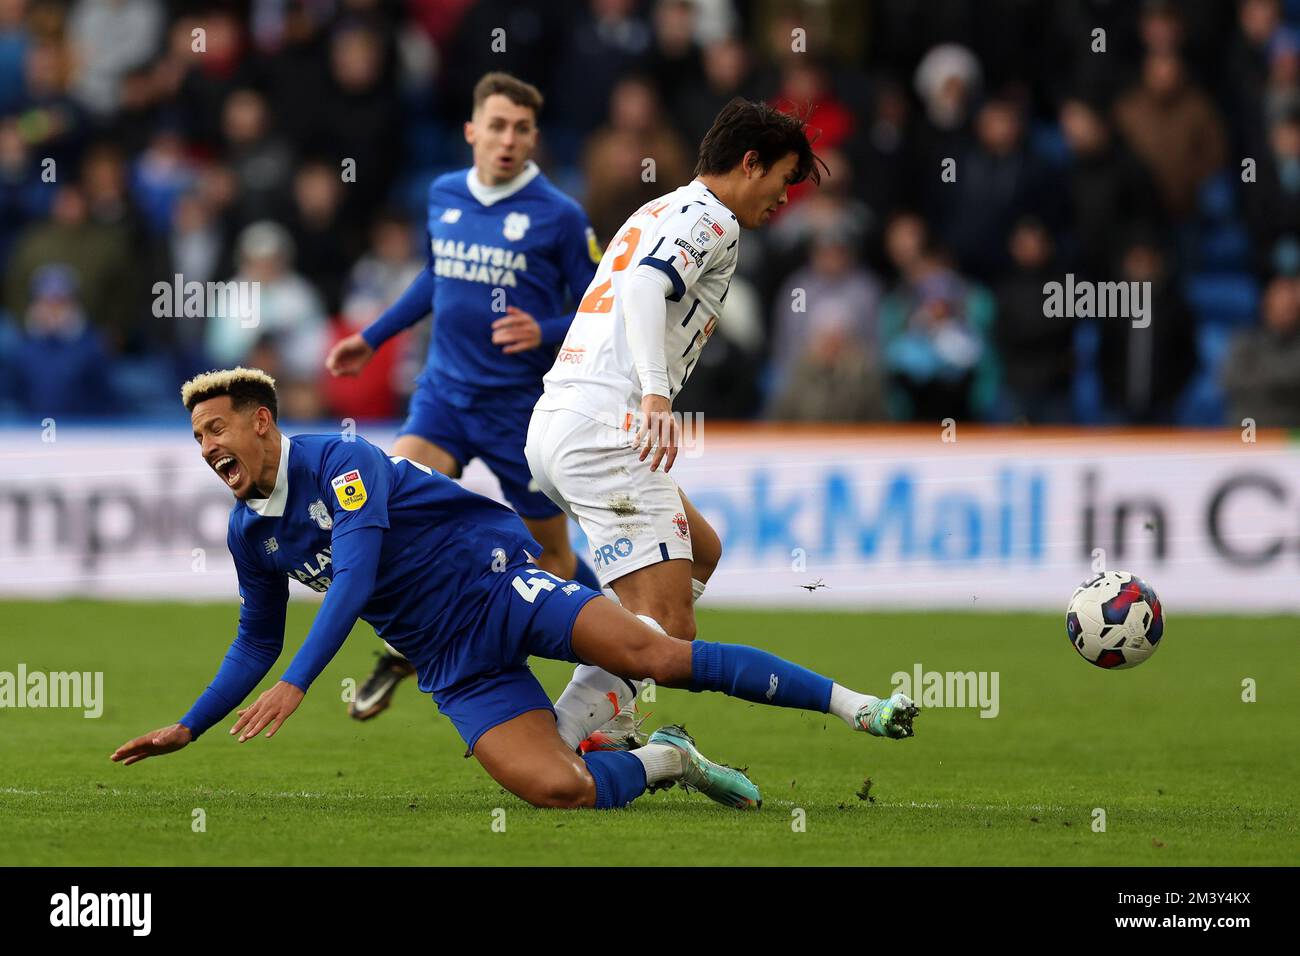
771,686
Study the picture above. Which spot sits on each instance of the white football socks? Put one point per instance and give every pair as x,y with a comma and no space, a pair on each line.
590,701
846,703
661,762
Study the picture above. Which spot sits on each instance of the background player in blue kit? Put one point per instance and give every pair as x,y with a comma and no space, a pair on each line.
446,577
507,252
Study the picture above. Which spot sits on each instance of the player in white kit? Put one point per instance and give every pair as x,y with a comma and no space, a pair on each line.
604,423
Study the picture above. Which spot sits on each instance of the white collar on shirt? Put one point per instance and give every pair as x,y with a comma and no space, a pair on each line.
488,195
273,507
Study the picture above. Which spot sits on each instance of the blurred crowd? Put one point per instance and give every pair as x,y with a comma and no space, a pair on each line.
977,150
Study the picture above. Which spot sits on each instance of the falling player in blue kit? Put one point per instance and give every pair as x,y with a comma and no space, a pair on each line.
505,249
447,578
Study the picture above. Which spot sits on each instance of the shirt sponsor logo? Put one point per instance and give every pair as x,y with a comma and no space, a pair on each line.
313,575
691,251
350,490
607,554
476,262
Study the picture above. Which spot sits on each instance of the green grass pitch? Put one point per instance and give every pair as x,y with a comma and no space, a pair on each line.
1186,772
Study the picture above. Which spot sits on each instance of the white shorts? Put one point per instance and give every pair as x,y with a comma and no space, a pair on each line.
633,517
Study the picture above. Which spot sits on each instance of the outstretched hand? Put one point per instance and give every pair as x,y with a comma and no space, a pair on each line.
165,740
349,356
272,708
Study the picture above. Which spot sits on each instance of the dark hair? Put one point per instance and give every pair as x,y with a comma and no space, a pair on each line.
247,389
743,125
511,87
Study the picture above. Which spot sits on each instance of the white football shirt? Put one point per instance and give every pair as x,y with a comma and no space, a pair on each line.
690,237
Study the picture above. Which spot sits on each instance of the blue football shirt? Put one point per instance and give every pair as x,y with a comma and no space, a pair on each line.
523,243
434,551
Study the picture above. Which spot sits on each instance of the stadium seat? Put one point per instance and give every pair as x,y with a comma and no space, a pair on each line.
1203,403
1088,407
144,384
1224,248
1223,298
423,141
10,337
411,192
1217,201
1047,142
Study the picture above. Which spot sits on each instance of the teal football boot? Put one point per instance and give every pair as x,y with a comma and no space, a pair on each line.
888,717
726,785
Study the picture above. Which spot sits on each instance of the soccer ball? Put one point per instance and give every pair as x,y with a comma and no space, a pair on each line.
1115,620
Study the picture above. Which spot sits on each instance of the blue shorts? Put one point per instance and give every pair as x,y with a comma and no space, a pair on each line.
496,435
483,679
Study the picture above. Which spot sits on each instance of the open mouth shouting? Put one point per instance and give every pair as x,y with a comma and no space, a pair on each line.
228,467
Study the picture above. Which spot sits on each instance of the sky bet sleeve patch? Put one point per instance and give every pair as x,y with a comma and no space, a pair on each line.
350,489
706,231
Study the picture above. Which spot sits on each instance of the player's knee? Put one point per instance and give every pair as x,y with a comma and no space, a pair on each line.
674,619
561,791
680,623
667,662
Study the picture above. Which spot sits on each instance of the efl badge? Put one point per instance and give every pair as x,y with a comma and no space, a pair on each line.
705,231
350,489
682,526
593,247
516,225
